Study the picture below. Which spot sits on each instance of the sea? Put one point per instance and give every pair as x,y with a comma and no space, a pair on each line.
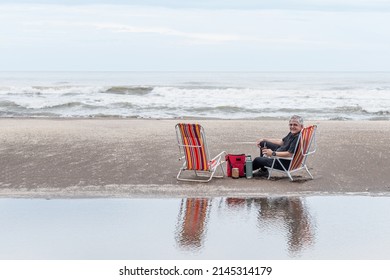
175,95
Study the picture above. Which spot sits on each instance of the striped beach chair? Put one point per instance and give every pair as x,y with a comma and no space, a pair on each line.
306,145
193,150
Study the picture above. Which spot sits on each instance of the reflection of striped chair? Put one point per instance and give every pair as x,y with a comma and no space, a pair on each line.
193,150
192,223
306,146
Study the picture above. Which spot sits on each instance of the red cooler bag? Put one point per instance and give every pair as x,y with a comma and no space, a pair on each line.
235,161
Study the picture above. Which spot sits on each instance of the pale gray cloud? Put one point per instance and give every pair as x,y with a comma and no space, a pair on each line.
259,39
379,5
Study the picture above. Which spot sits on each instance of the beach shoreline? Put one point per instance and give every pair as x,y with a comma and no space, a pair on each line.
138,158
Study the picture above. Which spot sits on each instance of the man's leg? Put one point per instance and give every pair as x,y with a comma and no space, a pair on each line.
261,162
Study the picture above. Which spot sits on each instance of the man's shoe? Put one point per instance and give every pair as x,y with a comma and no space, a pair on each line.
261,173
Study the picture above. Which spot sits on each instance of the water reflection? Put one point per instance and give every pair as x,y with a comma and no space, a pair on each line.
311,227
288,216
295,218
192,223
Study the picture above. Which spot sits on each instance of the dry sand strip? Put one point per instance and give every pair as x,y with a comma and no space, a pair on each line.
83,158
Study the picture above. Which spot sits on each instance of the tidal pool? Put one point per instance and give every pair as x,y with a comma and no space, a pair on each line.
312,227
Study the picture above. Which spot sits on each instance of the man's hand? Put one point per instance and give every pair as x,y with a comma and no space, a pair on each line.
259,141
267,152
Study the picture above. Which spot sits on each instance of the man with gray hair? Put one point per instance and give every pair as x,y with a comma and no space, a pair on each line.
278,147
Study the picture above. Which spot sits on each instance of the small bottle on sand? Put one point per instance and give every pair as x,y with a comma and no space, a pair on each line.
248,167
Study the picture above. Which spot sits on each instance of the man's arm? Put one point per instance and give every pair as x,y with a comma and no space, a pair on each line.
278,142
285,154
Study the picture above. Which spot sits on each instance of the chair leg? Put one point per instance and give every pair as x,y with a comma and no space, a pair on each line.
307,170
178,174
206,180
209,177
194,180
270,169
223,171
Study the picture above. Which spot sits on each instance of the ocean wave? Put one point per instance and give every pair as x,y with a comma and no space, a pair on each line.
71,105
382,113
341,88
124,105
9,104
223,109
350,109
205,95
133,90
340,118
50,90
114,116
382,88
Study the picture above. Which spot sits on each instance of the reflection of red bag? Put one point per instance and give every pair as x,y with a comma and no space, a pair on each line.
234,202
235,161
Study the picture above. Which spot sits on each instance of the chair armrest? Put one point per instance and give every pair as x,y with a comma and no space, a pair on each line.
219,155
276,157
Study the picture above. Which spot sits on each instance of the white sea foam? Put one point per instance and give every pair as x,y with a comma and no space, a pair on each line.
211,95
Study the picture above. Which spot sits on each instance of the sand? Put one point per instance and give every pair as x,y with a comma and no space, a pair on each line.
84,158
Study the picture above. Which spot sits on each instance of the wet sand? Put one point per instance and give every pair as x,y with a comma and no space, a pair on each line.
63,158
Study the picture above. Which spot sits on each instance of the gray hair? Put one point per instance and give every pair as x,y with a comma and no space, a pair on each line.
297,118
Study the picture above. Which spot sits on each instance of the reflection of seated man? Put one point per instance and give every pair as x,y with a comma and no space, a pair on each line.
278,147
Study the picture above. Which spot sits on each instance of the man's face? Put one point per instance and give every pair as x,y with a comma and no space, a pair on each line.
295,127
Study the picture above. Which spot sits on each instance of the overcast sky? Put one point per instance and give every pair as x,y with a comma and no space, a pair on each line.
195,35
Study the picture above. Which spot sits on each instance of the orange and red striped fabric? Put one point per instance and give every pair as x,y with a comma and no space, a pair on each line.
303,146
194,148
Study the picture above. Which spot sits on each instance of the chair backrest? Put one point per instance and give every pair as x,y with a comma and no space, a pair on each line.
192,143
303,149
